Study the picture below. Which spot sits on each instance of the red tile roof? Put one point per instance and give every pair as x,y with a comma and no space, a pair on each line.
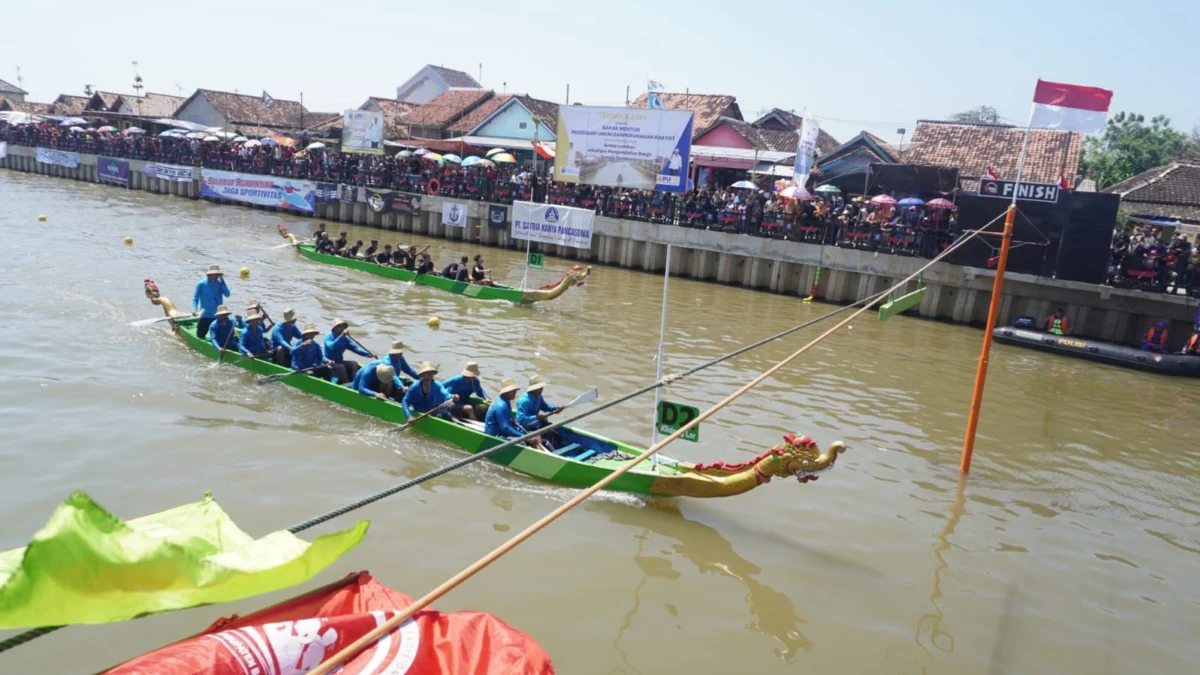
105,100
67,104
24,106
708,108
547,110
481,112
971,148
391,106
1171,191
447,108
155,105
243,109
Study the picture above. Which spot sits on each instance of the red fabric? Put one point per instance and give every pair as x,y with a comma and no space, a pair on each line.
1072,96
991,175
292,638
543,151
1062,182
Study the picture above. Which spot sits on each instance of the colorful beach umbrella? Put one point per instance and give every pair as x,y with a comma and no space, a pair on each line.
883,200
107,128
796,192
504,158
828,189
494,151
472,161
940,203
452,158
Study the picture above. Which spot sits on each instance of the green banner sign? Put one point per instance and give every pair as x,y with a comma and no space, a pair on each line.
672,416
536,261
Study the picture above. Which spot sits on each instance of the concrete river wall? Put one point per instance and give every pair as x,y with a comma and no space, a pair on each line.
956,294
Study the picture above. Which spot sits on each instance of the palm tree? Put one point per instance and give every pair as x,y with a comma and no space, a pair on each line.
138,87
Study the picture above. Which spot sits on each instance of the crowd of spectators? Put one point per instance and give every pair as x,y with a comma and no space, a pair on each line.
1144,258
831,220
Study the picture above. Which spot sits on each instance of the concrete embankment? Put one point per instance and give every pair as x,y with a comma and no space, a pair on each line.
956,294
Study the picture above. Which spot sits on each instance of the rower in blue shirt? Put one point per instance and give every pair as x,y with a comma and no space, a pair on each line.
221,333
462,388
533,411
395,359
377,379
424,395
254,307
252,341
306,353
336,344
499,422
210,293
282,336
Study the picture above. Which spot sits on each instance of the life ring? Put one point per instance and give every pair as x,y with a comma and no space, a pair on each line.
433,186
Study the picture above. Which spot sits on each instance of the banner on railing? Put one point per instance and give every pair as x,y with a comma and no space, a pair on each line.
172,172
58,157
112,170
349,193
559,225
623,147
497,216
362,131
454,214
327,193
284,193
3,150
385,201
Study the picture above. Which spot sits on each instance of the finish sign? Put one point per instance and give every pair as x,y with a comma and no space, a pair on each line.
536,261
672,416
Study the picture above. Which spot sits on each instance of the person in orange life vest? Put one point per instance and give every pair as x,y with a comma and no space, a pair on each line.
1156,338
1057,323
1192,348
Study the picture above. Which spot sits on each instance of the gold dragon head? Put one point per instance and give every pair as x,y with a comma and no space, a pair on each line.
802,458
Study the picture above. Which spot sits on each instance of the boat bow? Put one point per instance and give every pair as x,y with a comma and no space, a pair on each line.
551,291
796,456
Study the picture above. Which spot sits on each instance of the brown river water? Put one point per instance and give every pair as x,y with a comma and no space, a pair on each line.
1073,547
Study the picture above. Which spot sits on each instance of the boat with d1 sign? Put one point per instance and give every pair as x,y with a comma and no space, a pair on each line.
1097,350
479,291
583,458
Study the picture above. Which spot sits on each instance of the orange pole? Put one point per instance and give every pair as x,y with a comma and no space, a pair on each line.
981,370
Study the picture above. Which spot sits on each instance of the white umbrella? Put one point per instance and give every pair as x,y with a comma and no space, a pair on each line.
211,139
198,134
239,139
315,146
744,185
76,130
223,134
253,144
135,130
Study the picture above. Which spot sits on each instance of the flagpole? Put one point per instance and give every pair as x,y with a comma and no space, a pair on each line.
662,338
993,312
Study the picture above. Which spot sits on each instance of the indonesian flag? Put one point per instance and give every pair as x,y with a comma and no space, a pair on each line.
544,151
991,175
1070,107
1062,182
293,637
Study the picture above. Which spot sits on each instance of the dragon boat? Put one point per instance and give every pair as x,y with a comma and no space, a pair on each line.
494,292
584,458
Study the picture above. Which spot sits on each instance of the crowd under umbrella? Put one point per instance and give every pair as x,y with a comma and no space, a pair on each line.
744,185
494,151
911,201
883,200
940,203
828,189
503,158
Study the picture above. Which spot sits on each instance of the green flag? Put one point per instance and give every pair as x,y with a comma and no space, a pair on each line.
88,566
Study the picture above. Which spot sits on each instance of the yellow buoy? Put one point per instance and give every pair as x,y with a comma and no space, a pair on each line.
41,219
245,272
434,322
128,240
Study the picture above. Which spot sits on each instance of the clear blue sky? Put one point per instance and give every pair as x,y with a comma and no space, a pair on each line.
871,64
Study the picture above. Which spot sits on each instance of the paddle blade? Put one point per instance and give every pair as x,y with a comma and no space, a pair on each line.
149,322
586,396
283,245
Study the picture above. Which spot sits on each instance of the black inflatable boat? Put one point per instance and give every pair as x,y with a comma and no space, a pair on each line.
1104,352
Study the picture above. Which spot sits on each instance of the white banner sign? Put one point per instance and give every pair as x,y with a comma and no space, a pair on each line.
284,193
58,157
805,148
547,224
174,172
454,214
623,147
362,131
3,150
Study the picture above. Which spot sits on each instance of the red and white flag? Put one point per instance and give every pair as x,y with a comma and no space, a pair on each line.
991,175
1070,107
1062,182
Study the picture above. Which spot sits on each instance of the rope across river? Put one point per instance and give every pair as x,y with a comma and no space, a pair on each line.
863,304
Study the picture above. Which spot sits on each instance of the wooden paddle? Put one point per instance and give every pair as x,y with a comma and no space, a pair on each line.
418,418
149,322
275,378
360,346
221,351
590,395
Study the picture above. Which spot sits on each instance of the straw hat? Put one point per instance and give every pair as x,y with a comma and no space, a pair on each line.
397,348
340,322
310,329
253,304
426,367
507,385
536,382
471,369
289,315
223,311
214,269
254,316
385,372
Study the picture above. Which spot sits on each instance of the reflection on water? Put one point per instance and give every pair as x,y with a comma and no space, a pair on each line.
929,625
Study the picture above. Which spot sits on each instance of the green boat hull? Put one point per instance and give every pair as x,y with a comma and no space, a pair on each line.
436,281
523,459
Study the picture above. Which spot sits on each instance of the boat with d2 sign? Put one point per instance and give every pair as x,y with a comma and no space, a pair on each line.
481,292
584,458
1096,350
